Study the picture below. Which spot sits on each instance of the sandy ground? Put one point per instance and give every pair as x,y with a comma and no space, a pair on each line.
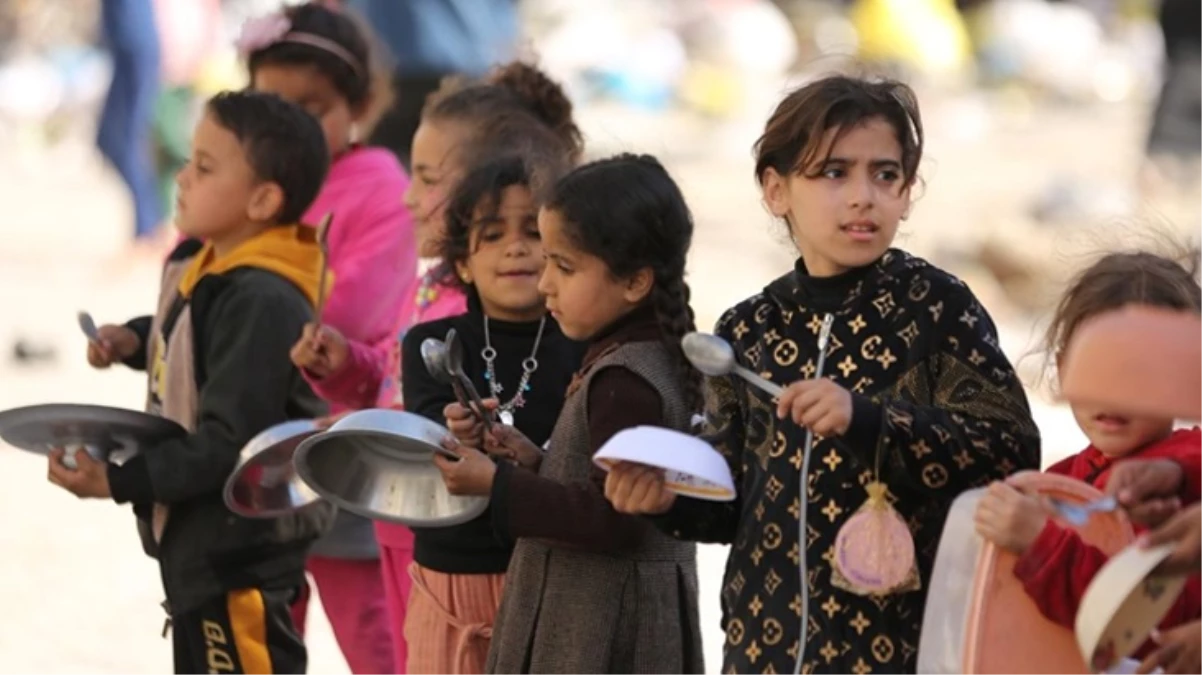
77,593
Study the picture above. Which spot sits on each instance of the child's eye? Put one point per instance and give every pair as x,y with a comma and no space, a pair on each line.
833,172
888,175
563,268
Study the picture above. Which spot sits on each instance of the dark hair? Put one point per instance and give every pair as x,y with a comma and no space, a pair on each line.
358,83
793,135
1120,279
282,142
480,189
510,92
627,211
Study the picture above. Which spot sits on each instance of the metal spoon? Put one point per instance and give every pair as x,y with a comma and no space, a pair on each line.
323,242
1078,514
454,363
715,357
88,326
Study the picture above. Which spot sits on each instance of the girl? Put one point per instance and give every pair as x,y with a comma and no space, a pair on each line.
318,59
461,122
589,590
919,405
513,350
1054,564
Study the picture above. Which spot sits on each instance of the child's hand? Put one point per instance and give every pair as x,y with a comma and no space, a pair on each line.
509,443
90,478
328,421
1184,532
820,405
471,474
465,425
1009,518
320,350
1180,650
638,489
1147,489
116,344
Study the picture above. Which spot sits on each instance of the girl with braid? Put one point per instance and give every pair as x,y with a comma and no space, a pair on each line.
589,590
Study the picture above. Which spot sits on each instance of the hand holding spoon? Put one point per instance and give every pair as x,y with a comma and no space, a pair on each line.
434,355
454,362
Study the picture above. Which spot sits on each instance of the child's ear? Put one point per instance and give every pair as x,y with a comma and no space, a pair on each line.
775,192
638,286
266,202
463,272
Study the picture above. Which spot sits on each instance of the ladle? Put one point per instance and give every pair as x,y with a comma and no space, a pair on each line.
715,357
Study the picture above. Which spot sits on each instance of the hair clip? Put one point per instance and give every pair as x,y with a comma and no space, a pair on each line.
261,32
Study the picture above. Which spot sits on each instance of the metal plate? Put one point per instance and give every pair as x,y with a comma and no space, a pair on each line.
265,484
108,434
379,464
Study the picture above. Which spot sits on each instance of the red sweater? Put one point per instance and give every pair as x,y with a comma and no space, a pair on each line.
1058,566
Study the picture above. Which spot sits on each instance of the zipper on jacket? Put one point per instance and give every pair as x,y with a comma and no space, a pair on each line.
824,338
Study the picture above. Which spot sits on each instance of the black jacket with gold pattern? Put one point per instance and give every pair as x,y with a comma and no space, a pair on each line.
936,405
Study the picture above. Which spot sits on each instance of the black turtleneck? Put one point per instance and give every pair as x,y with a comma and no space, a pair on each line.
472,548
831,294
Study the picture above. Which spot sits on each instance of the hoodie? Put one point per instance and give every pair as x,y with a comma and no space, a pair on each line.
216,352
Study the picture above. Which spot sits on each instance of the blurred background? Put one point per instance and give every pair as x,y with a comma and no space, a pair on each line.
1056,130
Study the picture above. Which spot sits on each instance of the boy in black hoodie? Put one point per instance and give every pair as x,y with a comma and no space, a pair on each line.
216,352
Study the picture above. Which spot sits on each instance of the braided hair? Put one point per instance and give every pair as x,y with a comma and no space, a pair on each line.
627,211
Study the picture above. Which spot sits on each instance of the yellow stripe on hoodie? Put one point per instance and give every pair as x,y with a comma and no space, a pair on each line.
290,251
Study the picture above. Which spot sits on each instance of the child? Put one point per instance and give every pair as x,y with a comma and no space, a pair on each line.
1054,564
318,59
590,590
512,350
216,355
462,122
918,398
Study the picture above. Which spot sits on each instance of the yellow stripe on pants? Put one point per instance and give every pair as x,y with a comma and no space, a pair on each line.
248,619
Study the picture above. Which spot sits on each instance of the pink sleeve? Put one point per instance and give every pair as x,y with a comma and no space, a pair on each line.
374,259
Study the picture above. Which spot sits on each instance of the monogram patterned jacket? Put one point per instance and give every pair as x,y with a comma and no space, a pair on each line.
936,407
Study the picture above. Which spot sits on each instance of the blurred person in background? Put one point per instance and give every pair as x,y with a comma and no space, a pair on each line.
430,40
1175,138
124,133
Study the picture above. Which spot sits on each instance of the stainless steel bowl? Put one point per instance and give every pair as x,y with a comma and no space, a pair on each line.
379,464
265,484
108,434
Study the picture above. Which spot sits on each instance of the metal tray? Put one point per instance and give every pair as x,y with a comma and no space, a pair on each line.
108,434
378,464
264,484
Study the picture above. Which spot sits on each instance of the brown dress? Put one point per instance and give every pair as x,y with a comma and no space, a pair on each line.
570,608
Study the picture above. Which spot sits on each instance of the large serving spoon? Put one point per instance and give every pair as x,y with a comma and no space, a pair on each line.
715,357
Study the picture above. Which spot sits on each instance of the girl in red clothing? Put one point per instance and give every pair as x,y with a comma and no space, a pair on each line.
1054,564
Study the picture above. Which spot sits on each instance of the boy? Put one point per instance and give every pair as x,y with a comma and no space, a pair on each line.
216,353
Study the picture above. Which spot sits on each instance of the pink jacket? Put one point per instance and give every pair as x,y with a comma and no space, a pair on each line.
374,258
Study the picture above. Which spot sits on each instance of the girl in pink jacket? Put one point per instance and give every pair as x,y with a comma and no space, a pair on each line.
318,58
462,123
